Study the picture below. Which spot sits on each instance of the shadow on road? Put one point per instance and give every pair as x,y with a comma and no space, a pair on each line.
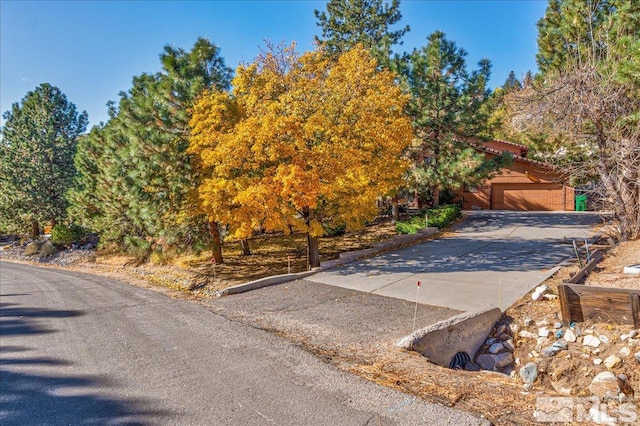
16,320
53,397
32,399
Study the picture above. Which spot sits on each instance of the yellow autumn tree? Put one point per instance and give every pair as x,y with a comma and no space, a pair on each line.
301,142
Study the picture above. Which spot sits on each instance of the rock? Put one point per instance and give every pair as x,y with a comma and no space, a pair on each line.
563,387
528,322
560,344
633,334
543,332
537,296
528,334
472,366
542,323
604,339
612,362
624,337
591,340
550,351
578,331
605,384
496,347
501,329
508,344
490,341
557,324
637,356
492,362
570,336
625,351
505,336
601,417
529,373
597,361
514,327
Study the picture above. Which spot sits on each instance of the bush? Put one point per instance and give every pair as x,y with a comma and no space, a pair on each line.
335,231
138,248
65,235
439,217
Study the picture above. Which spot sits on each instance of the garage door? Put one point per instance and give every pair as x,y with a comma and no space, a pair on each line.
527,196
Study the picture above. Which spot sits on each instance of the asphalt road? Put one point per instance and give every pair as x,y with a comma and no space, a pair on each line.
78,349
491,259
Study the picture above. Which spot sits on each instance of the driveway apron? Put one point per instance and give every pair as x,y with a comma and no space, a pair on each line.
490,259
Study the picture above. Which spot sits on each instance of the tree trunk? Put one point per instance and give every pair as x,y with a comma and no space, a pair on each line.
395,209
436,197
246,250
35,229
313,252
216,244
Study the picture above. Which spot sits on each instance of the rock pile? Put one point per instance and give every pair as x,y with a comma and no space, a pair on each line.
44,251
497,352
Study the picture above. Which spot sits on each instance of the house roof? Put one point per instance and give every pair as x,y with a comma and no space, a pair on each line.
480,147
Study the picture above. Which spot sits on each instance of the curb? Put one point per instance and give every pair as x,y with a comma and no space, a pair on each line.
344,258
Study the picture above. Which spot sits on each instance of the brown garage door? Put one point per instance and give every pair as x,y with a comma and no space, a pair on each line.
527,196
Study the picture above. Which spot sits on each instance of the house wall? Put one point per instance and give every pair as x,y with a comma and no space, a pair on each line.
522,186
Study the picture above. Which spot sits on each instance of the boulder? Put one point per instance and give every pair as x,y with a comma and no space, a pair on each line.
612,362
529,373
493,362
570,336
605,384
496,347
591,340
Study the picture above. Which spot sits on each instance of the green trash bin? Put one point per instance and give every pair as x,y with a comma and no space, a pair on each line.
581,203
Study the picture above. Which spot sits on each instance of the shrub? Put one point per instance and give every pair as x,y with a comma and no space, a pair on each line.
65,235
439,217
335,231
137,247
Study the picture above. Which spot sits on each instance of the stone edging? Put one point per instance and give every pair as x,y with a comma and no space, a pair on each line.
395,242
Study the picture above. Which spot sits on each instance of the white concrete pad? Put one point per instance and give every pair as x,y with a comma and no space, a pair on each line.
491,260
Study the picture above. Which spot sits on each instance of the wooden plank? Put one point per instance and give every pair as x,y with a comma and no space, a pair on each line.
634,299
564,304
579,303
596,257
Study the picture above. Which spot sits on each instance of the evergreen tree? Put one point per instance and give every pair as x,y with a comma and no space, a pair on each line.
36,158
347,23
152,186
446,106
511,83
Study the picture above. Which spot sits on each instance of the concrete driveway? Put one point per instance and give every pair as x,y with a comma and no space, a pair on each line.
491,259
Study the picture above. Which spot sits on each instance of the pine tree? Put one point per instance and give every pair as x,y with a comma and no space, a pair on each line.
153,182
511,83
36,158
446,104
347,23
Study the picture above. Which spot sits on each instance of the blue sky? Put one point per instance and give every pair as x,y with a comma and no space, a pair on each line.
92,49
